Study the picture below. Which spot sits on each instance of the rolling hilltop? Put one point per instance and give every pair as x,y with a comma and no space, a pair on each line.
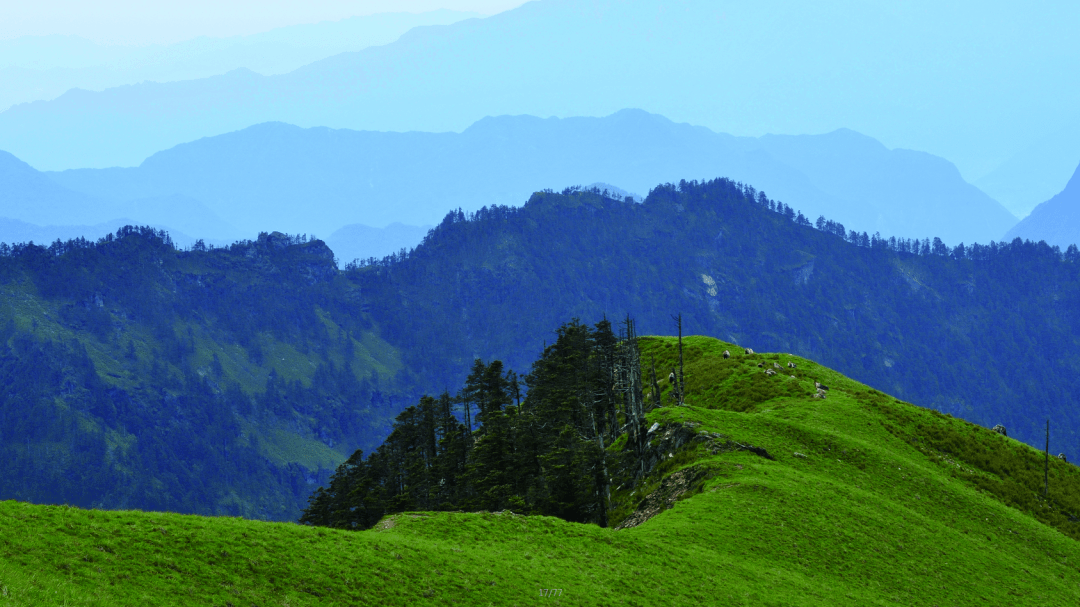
857,498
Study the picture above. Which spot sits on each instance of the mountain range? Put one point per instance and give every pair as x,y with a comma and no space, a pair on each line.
39,68
746,69
276,176
350,275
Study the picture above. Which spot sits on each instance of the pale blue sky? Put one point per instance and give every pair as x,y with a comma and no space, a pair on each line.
168,21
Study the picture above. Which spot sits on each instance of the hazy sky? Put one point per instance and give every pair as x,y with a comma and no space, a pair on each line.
167,21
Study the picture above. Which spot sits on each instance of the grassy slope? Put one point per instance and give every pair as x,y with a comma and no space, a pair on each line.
877,513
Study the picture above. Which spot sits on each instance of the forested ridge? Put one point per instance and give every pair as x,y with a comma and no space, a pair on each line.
234,380
217,381
987,332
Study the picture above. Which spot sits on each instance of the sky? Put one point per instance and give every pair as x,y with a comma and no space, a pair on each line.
143,22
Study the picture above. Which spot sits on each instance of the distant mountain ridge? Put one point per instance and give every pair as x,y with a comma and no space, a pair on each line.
1036,173
35,207
750,68
1057,221
34,68
358,241
31,196
275,176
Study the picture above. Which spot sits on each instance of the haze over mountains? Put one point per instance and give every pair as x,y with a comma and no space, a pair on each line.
36,68
748,69
1057,221
34,208
277,176
1036,173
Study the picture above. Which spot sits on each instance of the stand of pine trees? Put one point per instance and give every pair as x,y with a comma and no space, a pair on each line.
487,448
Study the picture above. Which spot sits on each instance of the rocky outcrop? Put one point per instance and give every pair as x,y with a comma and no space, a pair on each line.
280,253
683,483
666,442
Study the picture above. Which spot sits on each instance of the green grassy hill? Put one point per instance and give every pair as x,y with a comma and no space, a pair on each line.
761,494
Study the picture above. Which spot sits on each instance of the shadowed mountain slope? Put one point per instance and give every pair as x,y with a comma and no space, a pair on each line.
224,381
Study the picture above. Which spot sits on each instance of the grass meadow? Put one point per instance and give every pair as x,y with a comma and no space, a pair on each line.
868,501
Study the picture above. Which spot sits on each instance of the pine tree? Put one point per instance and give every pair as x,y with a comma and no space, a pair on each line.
490,469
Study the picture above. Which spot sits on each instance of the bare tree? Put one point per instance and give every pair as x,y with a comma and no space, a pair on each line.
655,384
680,384
628,383
1046,463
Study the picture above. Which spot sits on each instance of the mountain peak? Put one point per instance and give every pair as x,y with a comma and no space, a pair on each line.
1057,221
1072,188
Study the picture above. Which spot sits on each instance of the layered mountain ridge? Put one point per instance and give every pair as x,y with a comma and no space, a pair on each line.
746,69
280,177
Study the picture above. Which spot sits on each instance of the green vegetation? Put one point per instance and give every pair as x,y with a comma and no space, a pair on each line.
983,332
1006,469
234,381
860,505
543,454
223,381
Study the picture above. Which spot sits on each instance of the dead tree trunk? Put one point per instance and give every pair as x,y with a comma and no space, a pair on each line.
680,384
1046,462
603,498
635,373
655,384
629,384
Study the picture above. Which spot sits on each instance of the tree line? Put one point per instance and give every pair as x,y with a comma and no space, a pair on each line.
491,447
